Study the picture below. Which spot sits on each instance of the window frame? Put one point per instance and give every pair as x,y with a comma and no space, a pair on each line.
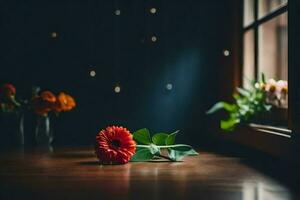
258,21
286,144
254,26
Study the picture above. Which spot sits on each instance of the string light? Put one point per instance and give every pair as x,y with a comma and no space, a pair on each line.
118,12
117,89
153,38
153,10
92,73
54,35
169,86
226,52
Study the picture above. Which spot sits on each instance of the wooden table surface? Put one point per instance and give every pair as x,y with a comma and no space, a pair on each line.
74,173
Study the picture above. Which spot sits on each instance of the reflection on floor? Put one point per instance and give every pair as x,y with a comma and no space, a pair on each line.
74,173
260,191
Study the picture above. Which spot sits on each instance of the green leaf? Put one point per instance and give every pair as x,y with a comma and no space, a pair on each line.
252,82
243,92
159,138
263,78
236,96
221,105
181,147
177,154
142,136
268,107
143,154
170,140
229,124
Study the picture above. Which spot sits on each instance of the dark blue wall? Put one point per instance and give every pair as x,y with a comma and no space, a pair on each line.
188,54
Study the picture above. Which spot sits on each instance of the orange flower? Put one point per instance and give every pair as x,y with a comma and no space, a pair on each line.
48,96
44,103
64,102
40,107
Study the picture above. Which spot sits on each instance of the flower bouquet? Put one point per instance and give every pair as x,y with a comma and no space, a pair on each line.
11,117
12,113
276,92
8,102
252,103
45,103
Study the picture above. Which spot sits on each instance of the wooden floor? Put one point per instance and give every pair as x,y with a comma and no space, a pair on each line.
75,174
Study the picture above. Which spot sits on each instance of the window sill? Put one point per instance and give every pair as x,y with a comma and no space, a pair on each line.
277,117
268,139
284,132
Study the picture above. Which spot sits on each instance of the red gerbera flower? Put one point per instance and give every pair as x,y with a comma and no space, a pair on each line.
114,145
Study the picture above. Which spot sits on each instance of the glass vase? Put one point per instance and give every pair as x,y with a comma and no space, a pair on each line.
43,132
12,130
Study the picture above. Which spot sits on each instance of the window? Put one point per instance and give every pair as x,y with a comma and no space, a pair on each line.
265,32
265,50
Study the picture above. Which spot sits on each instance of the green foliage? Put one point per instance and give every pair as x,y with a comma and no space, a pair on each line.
222,105
178,155
170,140
142,136
150,148
160,138
248,104
9,105
142,154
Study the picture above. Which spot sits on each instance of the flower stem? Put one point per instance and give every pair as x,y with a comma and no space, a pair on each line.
165,157
13,100
161,146
158,154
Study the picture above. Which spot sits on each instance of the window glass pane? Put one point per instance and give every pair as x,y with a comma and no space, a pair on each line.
248,65
248,12
273,48
267,6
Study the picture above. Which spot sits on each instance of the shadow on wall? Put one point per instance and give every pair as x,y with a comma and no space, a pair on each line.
168,107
